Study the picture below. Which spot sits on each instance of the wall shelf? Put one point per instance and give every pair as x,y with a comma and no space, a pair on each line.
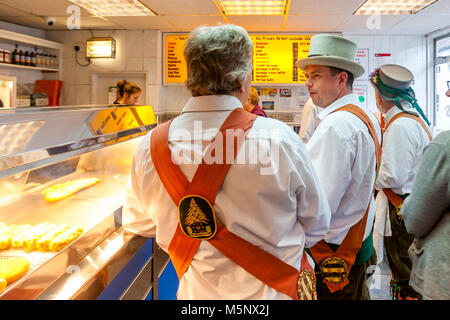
19,66
13,38
26,39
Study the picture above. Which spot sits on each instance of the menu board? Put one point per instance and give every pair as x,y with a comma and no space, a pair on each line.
175,65
274,57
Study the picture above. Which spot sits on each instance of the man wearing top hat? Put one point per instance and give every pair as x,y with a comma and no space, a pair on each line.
404,138
343,150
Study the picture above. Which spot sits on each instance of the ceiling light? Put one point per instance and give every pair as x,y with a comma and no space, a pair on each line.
392,7
111,8
253,7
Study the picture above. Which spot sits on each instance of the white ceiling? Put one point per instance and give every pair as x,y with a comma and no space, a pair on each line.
185,15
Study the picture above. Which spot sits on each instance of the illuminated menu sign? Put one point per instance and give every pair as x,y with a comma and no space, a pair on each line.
274,58
175,65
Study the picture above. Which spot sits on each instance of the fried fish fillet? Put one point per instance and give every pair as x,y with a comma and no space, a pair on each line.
6,233
65,238
32,236
18,234
63,190
12,269
44,242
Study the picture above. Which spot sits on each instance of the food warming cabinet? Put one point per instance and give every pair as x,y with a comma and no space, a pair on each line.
44,147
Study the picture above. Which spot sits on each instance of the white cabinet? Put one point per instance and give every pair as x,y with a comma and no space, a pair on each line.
9,39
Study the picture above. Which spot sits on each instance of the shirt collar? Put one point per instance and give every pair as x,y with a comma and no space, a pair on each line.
350,98
396,110
212,103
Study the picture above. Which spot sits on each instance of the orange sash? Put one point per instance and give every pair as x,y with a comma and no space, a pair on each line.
206,183
394,198
340,262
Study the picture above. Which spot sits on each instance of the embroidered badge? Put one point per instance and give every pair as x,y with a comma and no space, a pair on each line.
334,270
197,218
306,286
398,215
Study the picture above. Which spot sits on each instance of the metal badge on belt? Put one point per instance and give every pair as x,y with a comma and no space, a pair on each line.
197,217
306,286
334,270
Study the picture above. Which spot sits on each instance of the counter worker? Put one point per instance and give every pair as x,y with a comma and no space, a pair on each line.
238,233
251,105
309,120
344,150
127,93
404,138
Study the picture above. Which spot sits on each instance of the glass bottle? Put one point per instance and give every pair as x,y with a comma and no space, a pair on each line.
15,57
21,57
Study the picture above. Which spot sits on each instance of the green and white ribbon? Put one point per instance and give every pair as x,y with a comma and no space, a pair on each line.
402,94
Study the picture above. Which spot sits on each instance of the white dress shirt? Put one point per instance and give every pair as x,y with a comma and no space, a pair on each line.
309,120
343,154
403,144
280,210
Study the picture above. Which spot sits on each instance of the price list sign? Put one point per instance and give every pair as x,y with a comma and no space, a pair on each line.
274,58
175,65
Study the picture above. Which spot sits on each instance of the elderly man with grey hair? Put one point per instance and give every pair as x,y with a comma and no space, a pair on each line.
234,223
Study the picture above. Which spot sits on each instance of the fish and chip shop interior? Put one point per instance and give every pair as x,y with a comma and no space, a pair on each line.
66,148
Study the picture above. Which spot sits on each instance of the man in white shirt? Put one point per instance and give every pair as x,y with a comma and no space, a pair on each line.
272,198
404,138
309,120
343,152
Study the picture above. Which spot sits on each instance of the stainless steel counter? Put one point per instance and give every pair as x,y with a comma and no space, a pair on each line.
52,146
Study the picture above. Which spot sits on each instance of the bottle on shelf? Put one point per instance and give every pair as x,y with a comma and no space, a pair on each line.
21,57
7,56
27,58
15,57
38,60
33,59
2,56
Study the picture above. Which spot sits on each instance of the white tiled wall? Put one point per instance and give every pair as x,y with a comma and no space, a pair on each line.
140,51
137,51
406,50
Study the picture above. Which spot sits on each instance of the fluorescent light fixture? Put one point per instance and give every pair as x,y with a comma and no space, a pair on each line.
392,7
115,8
253,7
101,48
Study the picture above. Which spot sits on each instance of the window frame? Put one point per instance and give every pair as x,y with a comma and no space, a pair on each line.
432,62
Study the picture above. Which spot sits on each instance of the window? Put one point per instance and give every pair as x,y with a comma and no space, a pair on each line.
443,47
442,84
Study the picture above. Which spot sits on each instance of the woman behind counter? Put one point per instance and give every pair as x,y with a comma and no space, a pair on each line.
127,93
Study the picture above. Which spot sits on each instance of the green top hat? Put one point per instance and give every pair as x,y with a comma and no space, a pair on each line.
332,51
